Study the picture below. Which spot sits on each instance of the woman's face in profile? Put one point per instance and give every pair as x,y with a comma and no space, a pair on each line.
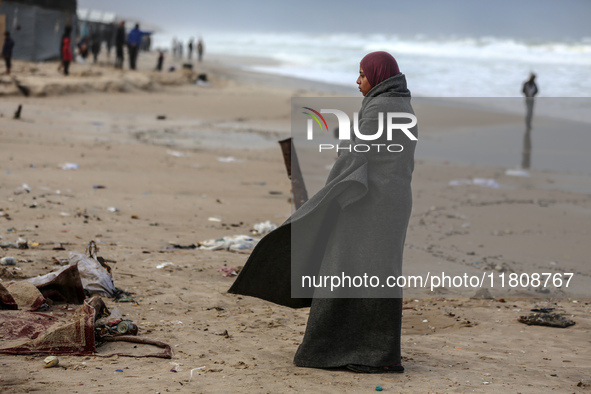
364,85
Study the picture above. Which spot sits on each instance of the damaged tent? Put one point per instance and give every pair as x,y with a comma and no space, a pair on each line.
37,26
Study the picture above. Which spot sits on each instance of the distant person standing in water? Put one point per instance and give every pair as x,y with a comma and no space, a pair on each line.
119,44
7,51
200,49
530,89
67,50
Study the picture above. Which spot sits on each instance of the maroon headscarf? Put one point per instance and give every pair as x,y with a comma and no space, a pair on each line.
379,66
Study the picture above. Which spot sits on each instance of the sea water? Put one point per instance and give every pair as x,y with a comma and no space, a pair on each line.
450,66
455,68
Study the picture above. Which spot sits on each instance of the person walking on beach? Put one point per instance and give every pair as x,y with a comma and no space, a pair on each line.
356,224
7,51
530,89
160,62
180,49
119,44
66,50
134,41
174,46
108,38
95,46
200,49
190,49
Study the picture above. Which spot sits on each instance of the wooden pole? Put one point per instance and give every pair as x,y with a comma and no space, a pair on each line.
300,195
2,27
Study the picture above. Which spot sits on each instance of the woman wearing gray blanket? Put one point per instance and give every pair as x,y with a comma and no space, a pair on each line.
353,226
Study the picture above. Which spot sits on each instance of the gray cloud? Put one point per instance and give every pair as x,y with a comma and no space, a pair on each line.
532,19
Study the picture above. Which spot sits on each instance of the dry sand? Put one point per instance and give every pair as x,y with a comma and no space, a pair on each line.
166,179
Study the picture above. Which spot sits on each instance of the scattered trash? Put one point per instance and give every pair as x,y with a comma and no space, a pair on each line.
228,159
8,260
177,367
229,271
99,187
68,166
22,189
212,219
235,243
177,246
118,370
125,299
126,327
176,153
51,361
113,209
546,319
68,330
95,273
264,228
25,91
160,266
202,80
97,123
135,217
161,117
517,172
20,243
542,310
58,246
379,388
224,334
195,369
483,182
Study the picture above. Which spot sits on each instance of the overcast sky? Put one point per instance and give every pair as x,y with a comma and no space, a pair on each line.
533,19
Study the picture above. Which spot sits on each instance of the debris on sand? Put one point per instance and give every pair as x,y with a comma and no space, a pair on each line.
546,319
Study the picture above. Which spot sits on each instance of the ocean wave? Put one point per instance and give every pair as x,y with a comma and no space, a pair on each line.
437,66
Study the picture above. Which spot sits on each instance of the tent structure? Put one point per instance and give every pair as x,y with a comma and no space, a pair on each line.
37,26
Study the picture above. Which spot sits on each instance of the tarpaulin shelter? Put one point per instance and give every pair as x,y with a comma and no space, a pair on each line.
99,25
37,26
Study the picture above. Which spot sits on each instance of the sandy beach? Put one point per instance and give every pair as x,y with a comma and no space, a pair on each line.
211,167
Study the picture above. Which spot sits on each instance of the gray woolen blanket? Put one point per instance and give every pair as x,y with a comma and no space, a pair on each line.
357,223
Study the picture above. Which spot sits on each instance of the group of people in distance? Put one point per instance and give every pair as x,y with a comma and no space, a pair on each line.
131,40
177,48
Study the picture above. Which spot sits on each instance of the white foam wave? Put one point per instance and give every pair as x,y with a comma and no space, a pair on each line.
441,66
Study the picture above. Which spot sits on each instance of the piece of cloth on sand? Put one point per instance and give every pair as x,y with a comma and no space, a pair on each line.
65,329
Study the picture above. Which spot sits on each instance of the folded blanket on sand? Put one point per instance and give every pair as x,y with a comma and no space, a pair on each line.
60,329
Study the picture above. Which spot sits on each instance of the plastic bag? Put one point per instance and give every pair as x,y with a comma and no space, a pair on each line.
95,278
